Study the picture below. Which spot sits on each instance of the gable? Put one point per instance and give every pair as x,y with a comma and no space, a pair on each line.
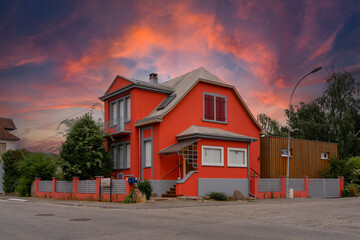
118,83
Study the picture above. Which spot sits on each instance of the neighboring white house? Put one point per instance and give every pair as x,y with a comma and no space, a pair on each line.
7,141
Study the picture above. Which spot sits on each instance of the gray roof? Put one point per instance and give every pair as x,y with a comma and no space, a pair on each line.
178,87
178,146
213,133
135,84
181,86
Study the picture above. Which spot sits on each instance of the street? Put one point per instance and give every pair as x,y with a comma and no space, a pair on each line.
181,219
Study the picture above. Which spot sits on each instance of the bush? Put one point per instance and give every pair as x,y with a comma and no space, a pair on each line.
146,188
35,165
337,167
218,196
354,166
128,198
11,174
351,190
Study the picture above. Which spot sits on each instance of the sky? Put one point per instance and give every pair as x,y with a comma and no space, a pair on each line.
58,57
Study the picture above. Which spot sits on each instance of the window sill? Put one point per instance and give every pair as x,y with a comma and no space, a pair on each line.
214,121
206,165
119,169
237,166
147,167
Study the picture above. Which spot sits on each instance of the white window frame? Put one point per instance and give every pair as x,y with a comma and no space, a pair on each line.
324,157
214,95
285,155
239,150
203,163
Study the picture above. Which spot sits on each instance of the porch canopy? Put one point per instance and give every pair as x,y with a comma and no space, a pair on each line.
195,133
213,133
177,147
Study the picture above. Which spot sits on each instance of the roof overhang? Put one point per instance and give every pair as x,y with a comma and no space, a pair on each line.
218,137
147,121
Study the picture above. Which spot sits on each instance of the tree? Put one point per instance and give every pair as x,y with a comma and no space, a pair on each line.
11,159
83,153
333,117
270,126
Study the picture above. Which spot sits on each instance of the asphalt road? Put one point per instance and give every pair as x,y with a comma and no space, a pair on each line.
181,219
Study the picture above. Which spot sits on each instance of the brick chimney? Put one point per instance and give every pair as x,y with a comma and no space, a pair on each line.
153,78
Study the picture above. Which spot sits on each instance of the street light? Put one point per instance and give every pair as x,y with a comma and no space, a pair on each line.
288,150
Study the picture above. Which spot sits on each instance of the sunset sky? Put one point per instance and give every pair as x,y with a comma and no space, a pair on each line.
58,57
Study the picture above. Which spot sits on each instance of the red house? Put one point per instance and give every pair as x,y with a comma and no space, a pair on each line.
193,133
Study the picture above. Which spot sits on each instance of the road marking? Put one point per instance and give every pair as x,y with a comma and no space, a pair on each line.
17,199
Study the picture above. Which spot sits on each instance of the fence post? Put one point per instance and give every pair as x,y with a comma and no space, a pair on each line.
254,185
54,179
283,186
98,186
37,180
341,179
306,185
75,180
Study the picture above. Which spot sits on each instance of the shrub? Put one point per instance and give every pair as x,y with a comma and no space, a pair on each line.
146,188
11,174
128,198
218,196
35,165
351,190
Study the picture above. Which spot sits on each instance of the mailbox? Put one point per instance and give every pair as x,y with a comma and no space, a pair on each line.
132,180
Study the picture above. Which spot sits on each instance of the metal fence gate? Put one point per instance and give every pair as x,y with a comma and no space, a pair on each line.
324,188
1,178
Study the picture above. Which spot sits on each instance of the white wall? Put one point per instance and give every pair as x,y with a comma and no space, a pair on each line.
10,145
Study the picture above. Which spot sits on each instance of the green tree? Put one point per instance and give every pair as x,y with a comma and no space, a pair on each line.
333,117
270,126
11,159
83,153
35,165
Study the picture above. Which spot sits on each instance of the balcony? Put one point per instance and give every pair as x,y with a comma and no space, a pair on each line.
116,126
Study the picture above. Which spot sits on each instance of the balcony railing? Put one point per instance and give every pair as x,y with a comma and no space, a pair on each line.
118,125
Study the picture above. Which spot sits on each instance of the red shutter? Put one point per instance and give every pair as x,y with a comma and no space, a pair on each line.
209,107
220,109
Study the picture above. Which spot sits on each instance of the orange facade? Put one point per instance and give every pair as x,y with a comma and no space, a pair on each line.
149,139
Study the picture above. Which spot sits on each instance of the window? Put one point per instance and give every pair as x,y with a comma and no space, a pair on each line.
214,107
148,153
121,156
284,152
324,155
237,157
120,110
212,156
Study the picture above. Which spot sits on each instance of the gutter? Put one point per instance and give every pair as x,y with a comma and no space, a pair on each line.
249,170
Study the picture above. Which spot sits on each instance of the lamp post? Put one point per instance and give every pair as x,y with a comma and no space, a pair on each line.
288,148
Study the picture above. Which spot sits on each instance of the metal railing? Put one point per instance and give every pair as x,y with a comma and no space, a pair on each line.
117,125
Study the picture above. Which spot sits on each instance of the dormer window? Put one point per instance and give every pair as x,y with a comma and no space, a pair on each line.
214,108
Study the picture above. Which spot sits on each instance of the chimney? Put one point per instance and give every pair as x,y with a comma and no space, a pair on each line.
153,78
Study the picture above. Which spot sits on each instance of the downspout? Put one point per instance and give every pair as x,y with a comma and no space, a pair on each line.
249,170
139,153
